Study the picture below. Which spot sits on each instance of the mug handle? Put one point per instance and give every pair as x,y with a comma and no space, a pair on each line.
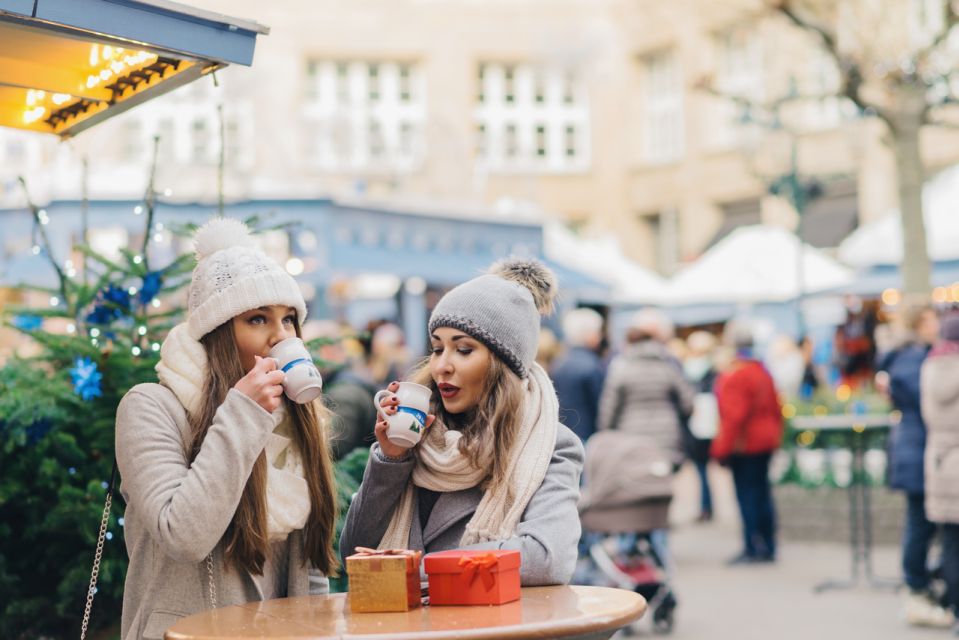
376,403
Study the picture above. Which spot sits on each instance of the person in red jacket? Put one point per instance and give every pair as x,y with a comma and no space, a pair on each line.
750,429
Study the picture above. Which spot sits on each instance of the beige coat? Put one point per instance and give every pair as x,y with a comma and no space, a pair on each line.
940,411
177,513
644,393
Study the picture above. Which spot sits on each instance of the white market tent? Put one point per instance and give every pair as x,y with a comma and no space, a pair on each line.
755,264
880,242
603,259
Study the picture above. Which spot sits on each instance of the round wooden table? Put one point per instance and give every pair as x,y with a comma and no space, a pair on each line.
542,612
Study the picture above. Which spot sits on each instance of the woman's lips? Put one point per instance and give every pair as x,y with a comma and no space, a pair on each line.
448,390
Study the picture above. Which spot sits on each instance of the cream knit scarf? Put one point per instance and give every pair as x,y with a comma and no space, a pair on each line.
441,467
183,369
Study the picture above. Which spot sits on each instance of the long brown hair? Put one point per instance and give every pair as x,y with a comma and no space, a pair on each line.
489,430
247,539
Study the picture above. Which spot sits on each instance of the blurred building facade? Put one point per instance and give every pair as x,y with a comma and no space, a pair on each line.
591,110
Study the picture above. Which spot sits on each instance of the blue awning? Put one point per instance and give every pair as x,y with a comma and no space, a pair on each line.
873,281
67,64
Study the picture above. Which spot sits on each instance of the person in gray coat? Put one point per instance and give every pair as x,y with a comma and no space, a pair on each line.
495,469
939,383
228,486
646,392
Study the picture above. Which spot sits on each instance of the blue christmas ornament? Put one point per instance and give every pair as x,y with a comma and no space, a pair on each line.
152,283
113,303
86,379
116,295
27,322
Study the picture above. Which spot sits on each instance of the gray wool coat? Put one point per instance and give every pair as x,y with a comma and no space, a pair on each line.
546,536
644,393
177,513
939,395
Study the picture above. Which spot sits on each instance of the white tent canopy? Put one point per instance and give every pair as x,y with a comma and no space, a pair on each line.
880,242
755,264
603,259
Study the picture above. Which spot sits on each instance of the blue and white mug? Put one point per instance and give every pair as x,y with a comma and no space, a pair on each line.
406,426
303,382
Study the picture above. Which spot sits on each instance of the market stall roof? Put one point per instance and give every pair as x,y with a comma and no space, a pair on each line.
603,260
880,242
755,264
67,64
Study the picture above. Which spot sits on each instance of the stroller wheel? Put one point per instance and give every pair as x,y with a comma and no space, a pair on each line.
663,619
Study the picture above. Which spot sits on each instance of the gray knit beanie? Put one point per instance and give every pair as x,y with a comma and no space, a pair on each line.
502,309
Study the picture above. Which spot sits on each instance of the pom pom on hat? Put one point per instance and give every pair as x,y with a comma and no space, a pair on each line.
219,234
533,275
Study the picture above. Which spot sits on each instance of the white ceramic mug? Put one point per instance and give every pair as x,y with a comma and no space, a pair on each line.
303,382
406,426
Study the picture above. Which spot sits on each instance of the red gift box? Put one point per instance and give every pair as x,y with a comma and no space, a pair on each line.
461,577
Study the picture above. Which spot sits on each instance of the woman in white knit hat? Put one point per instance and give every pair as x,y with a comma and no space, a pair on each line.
496,470
228,487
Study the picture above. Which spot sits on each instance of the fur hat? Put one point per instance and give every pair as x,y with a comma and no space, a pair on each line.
233,276
502,309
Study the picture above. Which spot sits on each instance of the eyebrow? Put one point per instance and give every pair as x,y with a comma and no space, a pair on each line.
454,338
267,309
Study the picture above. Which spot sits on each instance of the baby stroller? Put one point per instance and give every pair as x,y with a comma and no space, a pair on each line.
624,508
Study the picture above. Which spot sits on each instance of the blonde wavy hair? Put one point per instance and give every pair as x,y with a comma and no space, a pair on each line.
489,430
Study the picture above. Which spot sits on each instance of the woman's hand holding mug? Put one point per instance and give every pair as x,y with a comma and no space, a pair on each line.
263,384
395,439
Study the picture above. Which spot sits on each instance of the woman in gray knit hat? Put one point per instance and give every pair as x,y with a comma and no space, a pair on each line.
496,470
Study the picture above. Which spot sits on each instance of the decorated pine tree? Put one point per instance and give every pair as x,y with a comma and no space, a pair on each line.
57,411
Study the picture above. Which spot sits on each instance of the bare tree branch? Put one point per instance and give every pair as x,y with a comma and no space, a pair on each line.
951,20
934,121
706,85
850,71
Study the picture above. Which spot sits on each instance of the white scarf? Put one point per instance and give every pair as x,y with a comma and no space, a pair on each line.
183,370
441,467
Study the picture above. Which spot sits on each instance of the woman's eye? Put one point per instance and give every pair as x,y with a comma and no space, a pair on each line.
257,320
436,350
289,319
465,352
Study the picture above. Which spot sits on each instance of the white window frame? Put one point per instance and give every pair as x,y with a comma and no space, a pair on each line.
825,109
529,133
740,75
367,115
664,131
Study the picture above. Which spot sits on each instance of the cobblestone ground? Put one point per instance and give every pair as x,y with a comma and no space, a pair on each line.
771,602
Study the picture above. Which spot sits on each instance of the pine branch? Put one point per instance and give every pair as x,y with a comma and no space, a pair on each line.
149,200
35,212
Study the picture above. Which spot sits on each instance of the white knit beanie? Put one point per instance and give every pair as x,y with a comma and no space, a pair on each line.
232,276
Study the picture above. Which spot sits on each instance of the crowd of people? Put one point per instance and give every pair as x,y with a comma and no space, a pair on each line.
229,484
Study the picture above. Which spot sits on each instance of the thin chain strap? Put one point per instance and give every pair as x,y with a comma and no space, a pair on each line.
91,591
209,571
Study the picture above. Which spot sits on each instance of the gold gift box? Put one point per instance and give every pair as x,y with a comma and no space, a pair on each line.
384,580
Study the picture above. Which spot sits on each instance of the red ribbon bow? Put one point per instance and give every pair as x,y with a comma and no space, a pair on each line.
480,565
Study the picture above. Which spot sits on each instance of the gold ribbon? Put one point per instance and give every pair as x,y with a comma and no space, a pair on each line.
377,554
480,566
